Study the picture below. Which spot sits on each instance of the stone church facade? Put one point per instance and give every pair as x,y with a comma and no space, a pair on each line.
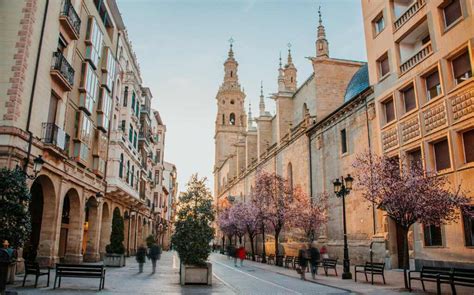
321,125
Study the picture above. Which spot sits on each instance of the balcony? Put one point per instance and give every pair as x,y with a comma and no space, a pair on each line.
70,20
145,109
421,55
62,72
53,136
407,13
415,47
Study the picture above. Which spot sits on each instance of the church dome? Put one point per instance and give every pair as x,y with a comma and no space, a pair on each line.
359,82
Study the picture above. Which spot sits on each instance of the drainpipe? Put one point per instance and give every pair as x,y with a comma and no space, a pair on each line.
310,169
370,150
33,89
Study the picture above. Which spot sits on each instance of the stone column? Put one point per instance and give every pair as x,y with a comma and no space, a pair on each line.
92,249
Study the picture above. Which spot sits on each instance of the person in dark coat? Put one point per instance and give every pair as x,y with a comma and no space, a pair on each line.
303,258
314,258
154,253
141,258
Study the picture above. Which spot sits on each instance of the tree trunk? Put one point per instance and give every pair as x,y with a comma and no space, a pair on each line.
405,255
252,247
277,235
264,253
240,240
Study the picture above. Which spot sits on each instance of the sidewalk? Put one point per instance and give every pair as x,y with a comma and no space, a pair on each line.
124,280
393,278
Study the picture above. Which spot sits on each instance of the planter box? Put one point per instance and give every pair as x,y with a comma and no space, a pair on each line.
116,260
199,275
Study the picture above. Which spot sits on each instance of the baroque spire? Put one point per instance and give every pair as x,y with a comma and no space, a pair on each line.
249,124
322,45
262,101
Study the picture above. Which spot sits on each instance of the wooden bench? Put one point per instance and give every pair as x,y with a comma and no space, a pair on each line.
289,260
372,268
329,263
271,259
438,275
462,277
32,268
80,271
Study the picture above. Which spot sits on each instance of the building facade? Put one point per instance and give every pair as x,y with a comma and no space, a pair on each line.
302,141
420,57
72,93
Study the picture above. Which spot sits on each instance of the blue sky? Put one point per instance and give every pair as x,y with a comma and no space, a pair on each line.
181,47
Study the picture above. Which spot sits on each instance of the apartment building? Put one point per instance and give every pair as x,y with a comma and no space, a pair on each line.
420,57
70,80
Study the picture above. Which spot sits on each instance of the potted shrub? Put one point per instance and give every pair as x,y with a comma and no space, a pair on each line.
15,220
114,252
193,233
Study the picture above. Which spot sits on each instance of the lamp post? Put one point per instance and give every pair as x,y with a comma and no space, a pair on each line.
37,166
342,188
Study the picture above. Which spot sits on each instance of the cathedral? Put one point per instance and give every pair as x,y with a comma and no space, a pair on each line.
301,141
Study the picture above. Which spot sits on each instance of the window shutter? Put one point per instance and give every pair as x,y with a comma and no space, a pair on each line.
432,80
468,141
343,141
442,155
389,111
461,65
452,12
409,98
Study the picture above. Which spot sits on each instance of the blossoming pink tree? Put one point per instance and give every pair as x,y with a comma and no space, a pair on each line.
236,215
225,223
246,218
309,215
407,193
273,198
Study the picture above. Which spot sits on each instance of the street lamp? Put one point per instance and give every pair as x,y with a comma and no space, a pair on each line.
37,166
341,189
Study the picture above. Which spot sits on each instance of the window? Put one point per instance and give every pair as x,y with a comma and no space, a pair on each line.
135,135
109,66
468,223
89,87
379,24
125,96
290,175
433,236
133,100
130,133
94,39
384,67
468,143
389,110
452,12
414,158
232,101
462,67
343,141
85,130
121,166
441,150
433,86
105,108
232,119
122,127
132,175
158,156
409,98
53,106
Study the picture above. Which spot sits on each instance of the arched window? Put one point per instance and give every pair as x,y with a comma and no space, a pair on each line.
289,175
223,119
121,166
232,119
291,79
125,96
231,74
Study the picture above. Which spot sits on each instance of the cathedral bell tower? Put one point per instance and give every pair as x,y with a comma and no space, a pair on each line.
231,119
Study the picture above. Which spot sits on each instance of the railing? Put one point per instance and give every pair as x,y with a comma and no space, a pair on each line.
411,11
54,135
145,109
71,14
61,64
417,58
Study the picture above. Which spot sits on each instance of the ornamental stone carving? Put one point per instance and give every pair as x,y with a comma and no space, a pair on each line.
435,117
410,128
463,104
390,138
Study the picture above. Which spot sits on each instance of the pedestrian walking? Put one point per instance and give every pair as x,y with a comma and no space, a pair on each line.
234,254
303,260
154,254
141,257
241,255
314,259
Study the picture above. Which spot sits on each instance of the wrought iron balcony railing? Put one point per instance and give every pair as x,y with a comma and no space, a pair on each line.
61,64
54,135
70,13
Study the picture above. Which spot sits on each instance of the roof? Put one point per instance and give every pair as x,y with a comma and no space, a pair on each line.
359,82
